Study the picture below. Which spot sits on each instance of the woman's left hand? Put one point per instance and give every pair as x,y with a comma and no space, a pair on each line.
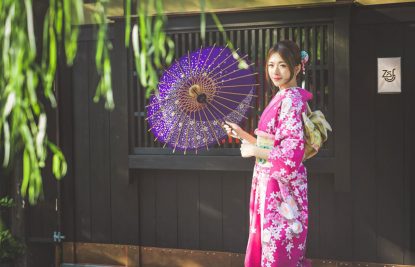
247,149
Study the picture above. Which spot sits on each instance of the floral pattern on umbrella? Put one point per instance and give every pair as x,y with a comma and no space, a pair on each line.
197,93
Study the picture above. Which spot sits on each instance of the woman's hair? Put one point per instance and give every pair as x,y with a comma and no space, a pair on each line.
290,53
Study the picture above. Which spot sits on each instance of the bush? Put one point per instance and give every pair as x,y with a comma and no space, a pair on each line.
10,247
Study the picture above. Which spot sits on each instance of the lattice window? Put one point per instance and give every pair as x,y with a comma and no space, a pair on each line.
316,39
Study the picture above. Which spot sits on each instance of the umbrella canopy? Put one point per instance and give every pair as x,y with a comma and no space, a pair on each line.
197,93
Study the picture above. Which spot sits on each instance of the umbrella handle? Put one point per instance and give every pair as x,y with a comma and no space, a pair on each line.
235,135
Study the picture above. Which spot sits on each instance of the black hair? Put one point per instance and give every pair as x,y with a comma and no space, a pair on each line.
290,53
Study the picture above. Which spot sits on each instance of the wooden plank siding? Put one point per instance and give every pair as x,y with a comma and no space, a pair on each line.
381,148
103,197
81,142
366,216
203,210
389,156
409,155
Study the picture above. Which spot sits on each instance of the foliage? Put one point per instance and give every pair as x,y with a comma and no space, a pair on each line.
149,43
27,77
10,247
6,202
23,118
102,59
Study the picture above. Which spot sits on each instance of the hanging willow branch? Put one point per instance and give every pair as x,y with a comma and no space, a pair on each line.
152,47
102,57
23,119
27,75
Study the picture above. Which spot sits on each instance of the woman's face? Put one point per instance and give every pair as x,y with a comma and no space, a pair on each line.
279,72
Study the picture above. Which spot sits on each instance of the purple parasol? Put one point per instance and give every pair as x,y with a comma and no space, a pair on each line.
197,93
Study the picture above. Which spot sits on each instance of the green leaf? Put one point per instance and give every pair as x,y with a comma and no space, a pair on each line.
30,29
26,173
40,138
50,76
202,20
6,130
11,99
127,22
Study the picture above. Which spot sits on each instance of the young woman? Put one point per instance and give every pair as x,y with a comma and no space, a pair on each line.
278,205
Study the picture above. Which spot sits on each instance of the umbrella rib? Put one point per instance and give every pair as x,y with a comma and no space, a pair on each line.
218,56
230,65
229,108
194,128
161,108
198,80
171,131
187,137
237,85
204,131
147,118
162,100
229,93
157,137
217,110
190,66
188,82
198,57
239,77
204,63
238,69
172,74
234,101
178,137
180,67
217,66
156,123
217,121
213,130
157,112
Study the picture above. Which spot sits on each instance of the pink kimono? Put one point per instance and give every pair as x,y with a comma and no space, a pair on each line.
278,205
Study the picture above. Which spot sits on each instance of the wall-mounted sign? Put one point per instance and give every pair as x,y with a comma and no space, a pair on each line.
389,75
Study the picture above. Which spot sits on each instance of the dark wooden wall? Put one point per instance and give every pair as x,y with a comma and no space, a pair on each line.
195,210
373,220
100,201
383,182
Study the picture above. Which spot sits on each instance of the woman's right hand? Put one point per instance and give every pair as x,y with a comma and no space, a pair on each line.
233,129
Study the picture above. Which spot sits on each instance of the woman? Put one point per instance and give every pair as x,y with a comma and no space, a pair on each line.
278,205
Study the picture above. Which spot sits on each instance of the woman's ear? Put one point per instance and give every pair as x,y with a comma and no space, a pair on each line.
297,69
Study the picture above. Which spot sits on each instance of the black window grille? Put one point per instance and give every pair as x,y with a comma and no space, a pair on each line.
316,39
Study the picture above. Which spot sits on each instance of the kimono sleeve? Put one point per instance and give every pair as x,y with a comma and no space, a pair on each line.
288,151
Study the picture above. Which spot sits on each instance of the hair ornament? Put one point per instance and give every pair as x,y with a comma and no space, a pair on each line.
304,56
304,59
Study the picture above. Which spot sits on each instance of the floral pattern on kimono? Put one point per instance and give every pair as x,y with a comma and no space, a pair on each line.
279,204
